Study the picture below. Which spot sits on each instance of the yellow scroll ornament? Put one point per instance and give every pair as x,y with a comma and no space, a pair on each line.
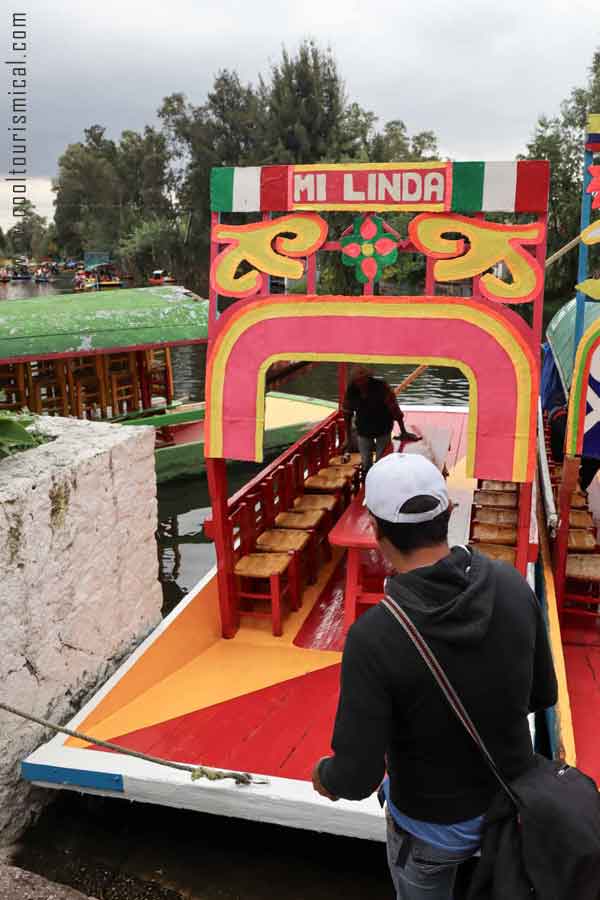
488,244
591,286
271,247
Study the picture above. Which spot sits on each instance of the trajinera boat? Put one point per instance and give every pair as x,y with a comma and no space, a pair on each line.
243,675
161,276
108,356
571,442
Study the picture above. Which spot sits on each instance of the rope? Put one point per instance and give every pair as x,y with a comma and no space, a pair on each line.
197,772
559,253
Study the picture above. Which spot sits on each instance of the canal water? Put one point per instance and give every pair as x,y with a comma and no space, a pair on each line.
114,850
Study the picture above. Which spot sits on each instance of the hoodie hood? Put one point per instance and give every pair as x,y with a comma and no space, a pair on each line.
452,600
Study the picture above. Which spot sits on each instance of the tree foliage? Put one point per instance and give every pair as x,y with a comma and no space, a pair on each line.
28,236
560,139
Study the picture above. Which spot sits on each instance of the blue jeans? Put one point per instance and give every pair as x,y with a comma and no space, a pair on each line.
419,870
366,445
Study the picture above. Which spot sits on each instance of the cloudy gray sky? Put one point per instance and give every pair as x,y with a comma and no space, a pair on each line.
478,72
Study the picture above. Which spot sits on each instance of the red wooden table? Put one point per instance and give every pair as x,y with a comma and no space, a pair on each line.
354,532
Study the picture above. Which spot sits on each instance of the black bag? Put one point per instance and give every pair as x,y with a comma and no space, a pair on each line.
541,835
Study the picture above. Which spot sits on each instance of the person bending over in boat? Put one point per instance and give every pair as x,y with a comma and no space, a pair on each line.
373,404
484,624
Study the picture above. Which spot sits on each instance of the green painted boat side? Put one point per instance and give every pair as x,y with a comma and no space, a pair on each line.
76,324
559,334
160,420
188,459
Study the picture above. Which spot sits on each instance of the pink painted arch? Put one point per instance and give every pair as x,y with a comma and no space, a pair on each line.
491,352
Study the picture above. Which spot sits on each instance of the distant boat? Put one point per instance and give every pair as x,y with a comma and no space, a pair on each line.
160,276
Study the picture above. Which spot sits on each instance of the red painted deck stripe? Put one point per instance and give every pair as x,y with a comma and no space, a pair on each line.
583,677
281,730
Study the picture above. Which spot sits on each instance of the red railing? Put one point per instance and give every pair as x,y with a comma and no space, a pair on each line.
310,456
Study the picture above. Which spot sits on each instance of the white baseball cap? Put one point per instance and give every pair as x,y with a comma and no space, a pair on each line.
400,477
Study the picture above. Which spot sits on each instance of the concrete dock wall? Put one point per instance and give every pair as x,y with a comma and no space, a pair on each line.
78,581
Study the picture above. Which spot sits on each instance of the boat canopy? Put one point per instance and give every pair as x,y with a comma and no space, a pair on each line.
560,333
75,324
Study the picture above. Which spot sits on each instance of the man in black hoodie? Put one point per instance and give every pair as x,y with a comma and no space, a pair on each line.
484,624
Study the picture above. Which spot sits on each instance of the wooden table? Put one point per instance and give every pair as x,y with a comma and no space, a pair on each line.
354,532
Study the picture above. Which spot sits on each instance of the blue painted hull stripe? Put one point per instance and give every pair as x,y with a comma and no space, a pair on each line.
102,781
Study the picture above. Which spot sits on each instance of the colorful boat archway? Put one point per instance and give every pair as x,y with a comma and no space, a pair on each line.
251,325
490,348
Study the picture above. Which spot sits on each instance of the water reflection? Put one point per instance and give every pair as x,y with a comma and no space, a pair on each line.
26,290
184,553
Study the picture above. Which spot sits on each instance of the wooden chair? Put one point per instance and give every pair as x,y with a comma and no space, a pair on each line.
160,373
280,513
13,389
337,480
86,377
278,540
123,382
48,382
302,502
260,576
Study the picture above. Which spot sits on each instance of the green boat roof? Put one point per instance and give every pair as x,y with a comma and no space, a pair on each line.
76,324
559,334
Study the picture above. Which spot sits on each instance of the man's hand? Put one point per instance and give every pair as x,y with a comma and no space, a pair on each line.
409,436
316,780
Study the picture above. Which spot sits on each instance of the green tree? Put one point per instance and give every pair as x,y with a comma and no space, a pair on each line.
104,188
27,236
304,109
560,139
155,242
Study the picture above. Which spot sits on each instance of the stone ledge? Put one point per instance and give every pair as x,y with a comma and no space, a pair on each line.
17,884
79,587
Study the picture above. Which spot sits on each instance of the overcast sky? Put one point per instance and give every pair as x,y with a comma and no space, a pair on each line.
477,72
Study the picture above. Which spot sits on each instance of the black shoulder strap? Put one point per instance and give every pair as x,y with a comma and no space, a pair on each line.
440,676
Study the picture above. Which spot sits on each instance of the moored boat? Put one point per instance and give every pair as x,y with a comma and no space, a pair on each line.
570,459
58,357
245,678
160,276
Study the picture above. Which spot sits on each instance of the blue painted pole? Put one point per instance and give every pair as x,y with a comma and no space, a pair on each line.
582,269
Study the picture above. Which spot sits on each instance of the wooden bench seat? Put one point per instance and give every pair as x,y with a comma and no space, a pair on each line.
581,540
315,501
497,551
505,499
494,534
305,519
341,461
262,565
583,566
498,486
580,518
282,540
578,501
491,516
325,481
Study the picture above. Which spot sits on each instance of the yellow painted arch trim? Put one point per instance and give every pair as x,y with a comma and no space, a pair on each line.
348,206
371,309
372,167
